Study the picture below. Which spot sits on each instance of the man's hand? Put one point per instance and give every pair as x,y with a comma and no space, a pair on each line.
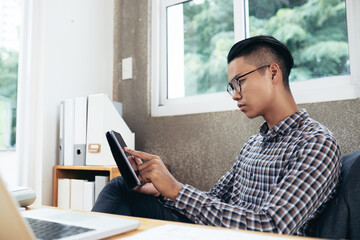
154,172
146,188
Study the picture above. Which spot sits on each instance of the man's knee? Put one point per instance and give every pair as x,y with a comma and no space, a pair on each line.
114,188
117,183
114,193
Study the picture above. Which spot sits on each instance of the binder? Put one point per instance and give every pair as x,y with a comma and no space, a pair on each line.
89,194
61,134
64,193
104,116
69,132
100,182
77,194
80,112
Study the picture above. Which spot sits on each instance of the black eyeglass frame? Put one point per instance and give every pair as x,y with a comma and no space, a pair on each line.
235,82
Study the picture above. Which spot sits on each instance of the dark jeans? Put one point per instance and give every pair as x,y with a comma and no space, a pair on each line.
115,198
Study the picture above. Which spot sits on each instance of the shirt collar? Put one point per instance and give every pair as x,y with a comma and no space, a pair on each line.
288,123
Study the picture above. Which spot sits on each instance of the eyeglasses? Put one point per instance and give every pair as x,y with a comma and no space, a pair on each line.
235,82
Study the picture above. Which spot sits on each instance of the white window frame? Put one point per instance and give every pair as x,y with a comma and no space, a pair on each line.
314,90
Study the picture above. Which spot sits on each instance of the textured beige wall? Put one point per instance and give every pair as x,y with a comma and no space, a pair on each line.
200,148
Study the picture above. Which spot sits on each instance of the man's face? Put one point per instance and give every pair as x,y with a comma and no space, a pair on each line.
256,88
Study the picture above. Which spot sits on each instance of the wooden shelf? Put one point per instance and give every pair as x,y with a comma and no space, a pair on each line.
81,172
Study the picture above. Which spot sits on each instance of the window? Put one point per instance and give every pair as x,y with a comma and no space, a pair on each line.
198,38
314,31
10,19
191,40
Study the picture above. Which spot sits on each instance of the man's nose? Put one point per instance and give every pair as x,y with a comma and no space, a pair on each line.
236,96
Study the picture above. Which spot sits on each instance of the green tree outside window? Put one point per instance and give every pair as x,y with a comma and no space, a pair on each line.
314,30
8,97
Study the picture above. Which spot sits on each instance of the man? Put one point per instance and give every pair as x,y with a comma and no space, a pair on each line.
282,177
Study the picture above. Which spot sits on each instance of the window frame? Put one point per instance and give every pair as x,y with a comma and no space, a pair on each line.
313,90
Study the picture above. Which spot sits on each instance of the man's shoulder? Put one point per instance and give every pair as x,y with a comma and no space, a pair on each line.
312,130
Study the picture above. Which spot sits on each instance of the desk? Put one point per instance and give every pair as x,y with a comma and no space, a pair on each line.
146,224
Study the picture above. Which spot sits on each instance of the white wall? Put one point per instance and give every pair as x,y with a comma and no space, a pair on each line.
78,61
75,55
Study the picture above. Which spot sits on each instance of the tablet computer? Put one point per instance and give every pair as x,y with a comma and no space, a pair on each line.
117,143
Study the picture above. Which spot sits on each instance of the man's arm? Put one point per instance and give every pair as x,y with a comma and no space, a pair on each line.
307,183
154,169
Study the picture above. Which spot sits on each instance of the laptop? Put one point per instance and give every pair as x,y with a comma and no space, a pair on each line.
50,223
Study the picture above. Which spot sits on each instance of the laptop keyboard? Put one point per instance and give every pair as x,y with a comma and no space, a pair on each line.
52,230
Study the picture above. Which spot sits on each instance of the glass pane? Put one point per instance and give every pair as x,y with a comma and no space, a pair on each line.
199,36
10,18
314,31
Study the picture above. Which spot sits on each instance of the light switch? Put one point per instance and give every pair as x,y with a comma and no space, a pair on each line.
127,68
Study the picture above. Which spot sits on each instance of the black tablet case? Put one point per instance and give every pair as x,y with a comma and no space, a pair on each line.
117,144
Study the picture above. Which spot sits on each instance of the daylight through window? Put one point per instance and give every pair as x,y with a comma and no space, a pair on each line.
10,19
194,37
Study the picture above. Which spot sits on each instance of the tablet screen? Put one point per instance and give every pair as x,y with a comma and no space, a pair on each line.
116,144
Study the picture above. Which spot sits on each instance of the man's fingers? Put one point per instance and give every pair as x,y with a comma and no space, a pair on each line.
132,162
138,160
139,154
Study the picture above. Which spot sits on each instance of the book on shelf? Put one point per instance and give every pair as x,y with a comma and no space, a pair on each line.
68,132
80,121
89,195
63,193
100,182
79,194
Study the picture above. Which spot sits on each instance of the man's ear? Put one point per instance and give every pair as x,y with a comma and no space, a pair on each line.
275,72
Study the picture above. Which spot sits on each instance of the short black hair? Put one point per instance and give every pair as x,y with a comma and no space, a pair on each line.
260,50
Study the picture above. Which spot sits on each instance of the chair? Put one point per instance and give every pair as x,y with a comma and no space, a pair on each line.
341,217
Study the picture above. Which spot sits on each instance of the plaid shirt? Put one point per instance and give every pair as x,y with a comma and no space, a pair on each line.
279,181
